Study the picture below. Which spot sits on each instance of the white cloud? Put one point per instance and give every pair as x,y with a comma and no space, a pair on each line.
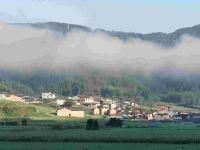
23,46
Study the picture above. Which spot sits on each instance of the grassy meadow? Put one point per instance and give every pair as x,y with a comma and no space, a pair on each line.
9,109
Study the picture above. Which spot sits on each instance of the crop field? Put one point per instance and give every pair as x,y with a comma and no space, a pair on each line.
123,135
71,134
95,146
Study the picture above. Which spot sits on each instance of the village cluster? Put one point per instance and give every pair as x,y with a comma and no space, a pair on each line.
107,107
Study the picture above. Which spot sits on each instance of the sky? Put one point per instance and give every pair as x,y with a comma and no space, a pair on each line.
141,16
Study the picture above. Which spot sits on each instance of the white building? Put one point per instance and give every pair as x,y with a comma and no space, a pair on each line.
134,105
75,98
48,95
112,106
77,103
89,100
149,116
2,96
127,103
69,113
60,102
103,111
108,101
163,111
112,112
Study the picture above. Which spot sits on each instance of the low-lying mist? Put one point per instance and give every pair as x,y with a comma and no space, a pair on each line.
26,48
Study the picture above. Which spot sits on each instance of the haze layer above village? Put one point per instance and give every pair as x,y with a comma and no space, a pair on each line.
70,60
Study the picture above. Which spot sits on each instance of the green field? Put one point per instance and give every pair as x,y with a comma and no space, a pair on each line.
123,135
9,109
95,146
46,131
138,137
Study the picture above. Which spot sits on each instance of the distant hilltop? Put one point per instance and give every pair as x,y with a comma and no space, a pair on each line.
162,39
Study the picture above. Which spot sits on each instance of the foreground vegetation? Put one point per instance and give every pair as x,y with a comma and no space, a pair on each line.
74,131
62,133
134,135
94,146
43,130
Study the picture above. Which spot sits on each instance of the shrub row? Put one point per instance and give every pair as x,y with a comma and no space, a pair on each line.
14,123
92,124
114,122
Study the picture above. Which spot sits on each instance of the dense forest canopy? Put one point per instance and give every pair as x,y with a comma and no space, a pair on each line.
161,86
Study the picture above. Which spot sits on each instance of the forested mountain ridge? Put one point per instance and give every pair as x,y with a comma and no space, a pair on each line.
162,39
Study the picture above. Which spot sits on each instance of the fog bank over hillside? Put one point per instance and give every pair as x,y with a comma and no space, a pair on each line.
22,47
